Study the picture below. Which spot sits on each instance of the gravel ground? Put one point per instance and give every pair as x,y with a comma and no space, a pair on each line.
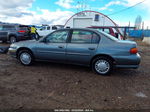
50,86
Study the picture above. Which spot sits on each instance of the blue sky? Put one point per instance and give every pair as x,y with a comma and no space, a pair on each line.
58,11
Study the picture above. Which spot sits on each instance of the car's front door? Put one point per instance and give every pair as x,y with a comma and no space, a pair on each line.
54,47
82,46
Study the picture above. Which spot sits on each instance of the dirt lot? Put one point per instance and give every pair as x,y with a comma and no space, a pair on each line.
48,85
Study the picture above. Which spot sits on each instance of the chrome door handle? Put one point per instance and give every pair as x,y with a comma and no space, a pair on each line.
91,48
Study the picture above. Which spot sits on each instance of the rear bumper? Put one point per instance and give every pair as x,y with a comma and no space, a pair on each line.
127,66
131,61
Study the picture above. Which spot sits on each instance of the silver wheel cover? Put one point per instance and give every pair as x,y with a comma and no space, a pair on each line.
13,39
102,66
25,58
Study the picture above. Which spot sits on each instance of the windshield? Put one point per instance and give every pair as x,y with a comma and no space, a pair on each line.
109,36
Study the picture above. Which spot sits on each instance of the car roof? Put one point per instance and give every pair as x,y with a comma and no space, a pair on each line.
99,27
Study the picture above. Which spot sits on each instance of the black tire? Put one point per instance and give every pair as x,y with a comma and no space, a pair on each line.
106,63
12,39
27,53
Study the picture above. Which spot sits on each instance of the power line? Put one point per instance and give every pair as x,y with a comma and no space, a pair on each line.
126,8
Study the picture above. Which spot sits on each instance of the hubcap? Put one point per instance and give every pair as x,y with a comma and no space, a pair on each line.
25,58
102,66
13,39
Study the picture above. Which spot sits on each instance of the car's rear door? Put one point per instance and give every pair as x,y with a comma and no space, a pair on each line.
82,46
54,47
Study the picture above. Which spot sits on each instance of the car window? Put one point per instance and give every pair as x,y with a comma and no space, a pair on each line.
5,27
109,36
81,36
99,29
95,38
23,28
54,28
48,28
107,30
57,37
1,28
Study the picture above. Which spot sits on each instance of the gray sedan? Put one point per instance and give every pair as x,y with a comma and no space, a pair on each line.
88,47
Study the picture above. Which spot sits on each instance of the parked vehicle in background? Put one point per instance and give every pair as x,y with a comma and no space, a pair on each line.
13,32
46,29
109,30
87,47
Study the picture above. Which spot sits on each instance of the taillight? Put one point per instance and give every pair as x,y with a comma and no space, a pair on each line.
21,31
133,50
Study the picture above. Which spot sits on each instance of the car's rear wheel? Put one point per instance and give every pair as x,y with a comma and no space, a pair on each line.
25,57
102,65
12,39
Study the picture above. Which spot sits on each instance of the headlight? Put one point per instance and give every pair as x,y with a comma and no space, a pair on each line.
13,46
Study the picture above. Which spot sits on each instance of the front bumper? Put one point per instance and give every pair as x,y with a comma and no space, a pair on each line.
12,52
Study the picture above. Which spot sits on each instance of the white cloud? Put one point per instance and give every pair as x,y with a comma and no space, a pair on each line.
65,3
144,5
15,3
111,4
15,8
127,3
18,12
132,2
45,17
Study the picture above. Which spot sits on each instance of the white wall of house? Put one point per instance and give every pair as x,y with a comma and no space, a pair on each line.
87,19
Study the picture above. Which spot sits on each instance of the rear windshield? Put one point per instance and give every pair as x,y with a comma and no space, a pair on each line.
23,28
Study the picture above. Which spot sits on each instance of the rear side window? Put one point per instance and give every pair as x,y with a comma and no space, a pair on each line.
107,30
7,27
99,29
81,36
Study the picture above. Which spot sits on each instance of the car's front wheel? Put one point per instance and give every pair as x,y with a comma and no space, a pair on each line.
25,57
102,65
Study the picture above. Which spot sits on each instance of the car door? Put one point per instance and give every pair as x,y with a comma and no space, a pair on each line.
83,45
3,33
54,47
